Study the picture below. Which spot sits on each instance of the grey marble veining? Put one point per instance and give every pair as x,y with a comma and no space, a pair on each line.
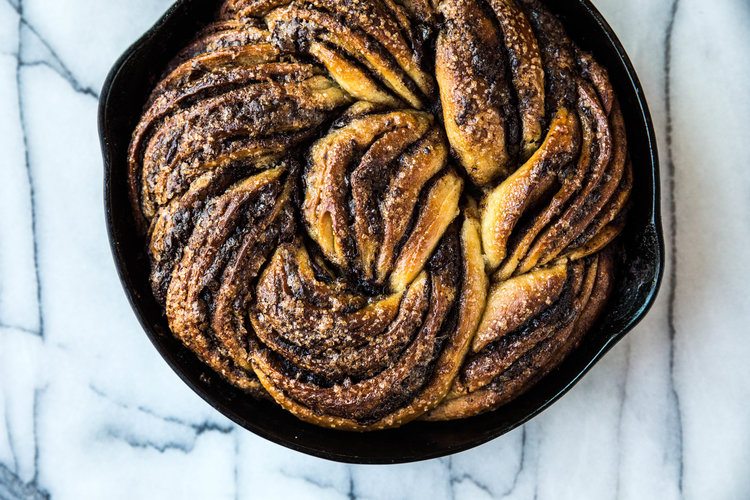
89,409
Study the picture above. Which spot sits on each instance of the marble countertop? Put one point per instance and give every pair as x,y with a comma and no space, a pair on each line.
90,410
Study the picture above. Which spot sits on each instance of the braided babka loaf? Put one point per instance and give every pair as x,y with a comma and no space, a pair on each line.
373,211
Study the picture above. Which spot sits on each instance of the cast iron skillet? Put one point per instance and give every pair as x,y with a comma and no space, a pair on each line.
122,100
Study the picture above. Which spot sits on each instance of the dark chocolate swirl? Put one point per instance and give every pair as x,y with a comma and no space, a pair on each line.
333,227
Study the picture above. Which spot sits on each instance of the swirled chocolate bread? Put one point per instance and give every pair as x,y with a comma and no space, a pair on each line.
375,211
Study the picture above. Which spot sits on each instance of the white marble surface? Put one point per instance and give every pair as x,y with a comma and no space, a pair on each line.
90,410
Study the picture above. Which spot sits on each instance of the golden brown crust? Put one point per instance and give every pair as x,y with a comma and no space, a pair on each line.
473,90
370,37
525,62
531,357
331,227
